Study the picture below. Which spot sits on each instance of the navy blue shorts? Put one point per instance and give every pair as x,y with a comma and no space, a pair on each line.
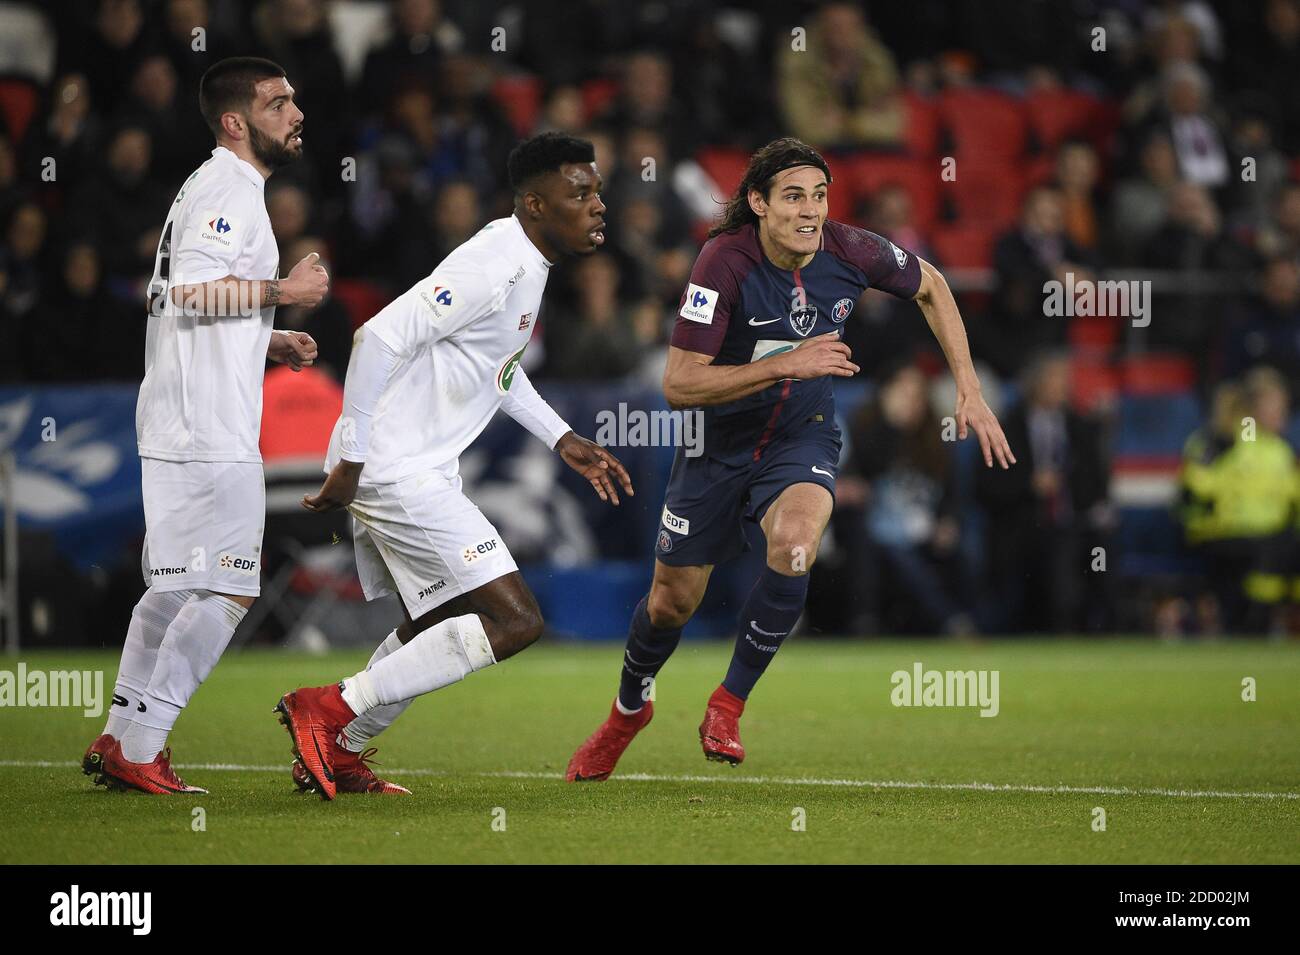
709,499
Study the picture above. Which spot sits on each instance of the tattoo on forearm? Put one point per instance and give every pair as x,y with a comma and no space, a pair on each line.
271,293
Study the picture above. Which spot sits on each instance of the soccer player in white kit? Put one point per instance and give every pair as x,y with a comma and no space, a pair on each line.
427,374
211,307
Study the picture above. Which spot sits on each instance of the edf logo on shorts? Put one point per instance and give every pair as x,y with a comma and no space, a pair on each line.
240,565
674,523
475,551
699,304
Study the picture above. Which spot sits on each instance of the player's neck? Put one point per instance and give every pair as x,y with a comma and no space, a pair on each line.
534,233
245,152
780,257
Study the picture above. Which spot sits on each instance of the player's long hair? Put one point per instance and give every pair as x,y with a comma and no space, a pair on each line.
776,156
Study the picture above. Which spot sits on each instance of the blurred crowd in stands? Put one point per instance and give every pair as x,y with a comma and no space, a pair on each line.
1010,142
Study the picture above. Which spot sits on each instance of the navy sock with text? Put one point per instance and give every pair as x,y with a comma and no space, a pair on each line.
773,608
647,651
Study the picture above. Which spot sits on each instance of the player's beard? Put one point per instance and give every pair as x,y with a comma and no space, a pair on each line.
271,153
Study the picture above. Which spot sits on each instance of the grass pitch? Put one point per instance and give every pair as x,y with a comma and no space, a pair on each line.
1157,736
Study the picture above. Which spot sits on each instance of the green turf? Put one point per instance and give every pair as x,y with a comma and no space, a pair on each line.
1131,714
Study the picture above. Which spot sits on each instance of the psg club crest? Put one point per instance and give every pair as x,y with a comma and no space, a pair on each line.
665,542
841,309
802,315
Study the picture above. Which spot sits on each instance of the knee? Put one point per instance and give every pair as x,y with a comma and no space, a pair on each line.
521,630
792,551
670,607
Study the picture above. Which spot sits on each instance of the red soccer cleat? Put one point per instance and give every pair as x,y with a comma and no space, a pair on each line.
314,716
597,757
157,778
352,774
92,763
720,731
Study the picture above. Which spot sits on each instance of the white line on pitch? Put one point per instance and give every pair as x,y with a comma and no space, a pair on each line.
747,780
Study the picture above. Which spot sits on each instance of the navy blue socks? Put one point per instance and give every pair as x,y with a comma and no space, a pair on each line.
773,607
647,651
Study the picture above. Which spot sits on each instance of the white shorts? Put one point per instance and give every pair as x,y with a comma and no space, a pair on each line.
424,540
203,525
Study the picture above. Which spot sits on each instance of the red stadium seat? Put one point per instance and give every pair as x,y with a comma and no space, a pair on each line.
362,299
18,101
987,192
1094,384
299,409
1058,115
1093,332
965,245
1158,374
1040,171
921,136
597,96
724,166
983,124
520,95
867,174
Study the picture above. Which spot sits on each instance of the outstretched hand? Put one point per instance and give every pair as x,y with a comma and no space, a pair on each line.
595,464
974,412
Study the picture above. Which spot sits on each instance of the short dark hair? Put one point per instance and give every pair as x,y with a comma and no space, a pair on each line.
775,157
543,153
229,85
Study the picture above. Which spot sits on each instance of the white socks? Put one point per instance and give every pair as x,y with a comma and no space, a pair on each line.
358,734
445,653
190,649
149,622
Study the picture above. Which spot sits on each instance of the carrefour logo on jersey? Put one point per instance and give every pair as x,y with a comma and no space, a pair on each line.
438,299
216,228
699,304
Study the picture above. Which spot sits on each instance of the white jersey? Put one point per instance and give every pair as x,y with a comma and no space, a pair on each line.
201,399
459,336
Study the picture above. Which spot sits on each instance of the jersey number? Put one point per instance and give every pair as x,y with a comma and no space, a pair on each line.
159,289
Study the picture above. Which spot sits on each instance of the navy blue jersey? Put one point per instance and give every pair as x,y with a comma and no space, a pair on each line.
739,308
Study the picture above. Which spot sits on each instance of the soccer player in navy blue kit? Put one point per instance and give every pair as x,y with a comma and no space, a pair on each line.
755,346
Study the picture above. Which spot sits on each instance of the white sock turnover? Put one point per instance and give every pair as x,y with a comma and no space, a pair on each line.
445,653
190,649
357,735
149,622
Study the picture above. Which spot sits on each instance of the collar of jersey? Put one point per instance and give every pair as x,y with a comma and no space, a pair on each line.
246,168
528,243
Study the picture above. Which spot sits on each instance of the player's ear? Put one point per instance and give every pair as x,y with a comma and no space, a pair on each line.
233,124
532,203
757,202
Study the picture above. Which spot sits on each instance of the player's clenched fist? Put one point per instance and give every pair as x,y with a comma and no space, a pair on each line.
307,284
823,355
339,489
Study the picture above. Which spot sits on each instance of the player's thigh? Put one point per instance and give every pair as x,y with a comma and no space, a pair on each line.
427,542
702,520
676,592
203,526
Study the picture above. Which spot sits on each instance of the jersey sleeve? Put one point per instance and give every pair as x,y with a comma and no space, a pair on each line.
454,296
218,226
711,295
886,266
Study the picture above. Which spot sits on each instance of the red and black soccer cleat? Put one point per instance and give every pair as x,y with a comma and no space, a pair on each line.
92,763
352,774
597,757
157,778
314,716
720,731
